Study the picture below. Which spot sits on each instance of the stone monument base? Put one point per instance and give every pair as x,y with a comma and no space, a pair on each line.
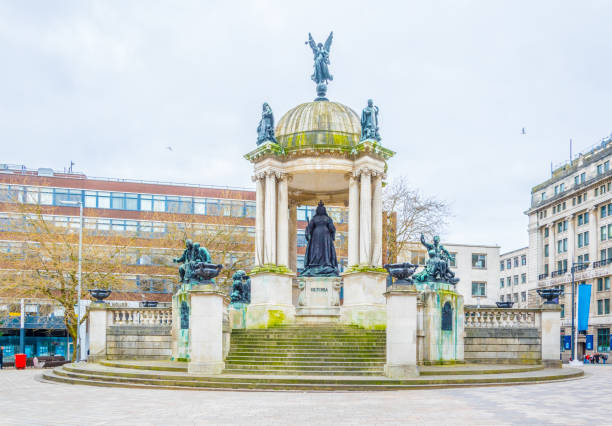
318,300
180,326
364,300
271,300
237,315
443,323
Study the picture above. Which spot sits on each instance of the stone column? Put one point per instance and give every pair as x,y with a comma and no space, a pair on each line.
550,330
365,219
97,331
293,236
206,330
353,221
377,220
259,219
593,234
401,332
270,220
282,234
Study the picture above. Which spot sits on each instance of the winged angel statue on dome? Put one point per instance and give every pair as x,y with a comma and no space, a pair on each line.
321,58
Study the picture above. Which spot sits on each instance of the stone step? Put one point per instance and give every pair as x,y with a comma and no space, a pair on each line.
325,344
289,358
349,369
304,363
89,375
307,350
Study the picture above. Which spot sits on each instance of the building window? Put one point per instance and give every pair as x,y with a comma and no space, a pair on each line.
523,260
479,261
523,296
515,297
603,233
516,280
562,310
479,289
501,283
501,298
508,264
603,307
453,262
603,284
546,268
501,265
546,232
603,340
546,250
562,187
603,211
523,278
516,262
509,281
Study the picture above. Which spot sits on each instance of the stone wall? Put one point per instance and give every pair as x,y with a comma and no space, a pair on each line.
494,335
139,342
502,345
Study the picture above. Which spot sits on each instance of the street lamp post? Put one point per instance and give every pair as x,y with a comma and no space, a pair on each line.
575,361
78,324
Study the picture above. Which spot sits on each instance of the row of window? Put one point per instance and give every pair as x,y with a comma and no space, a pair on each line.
557,208
603,284
146,202
605,232
139,228
508,262
508,280
583,239
514,297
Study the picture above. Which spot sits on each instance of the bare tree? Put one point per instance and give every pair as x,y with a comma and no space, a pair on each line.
409,214
45,265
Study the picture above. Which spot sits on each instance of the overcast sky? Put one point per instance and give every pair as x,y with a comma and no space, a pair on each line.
111,84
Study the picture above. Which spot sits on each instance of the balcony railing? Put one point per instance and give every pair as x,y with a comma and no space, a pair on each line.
601,263
501,318
542,276
557,273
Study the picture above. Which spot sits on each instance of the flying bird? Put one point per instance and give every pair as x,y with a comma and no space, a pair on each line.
523,131
169,148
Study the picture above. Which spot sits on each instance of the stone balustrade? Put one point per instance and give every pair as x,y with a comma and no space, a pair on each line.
139,316
501,318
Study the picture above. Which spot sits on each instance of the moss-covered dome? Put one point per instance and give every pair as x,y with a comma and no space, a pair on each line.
319,123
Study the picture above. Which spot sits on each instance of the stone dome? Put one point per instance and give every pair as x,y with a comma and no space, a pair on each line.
319,123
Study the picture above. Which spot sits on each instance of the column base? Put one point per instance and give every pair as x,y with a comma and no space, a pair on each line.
271,300
205,367
401,371
364,300
268,315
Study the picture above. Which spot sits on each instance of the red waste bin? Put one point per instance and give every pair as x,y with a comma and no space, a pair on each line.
20,361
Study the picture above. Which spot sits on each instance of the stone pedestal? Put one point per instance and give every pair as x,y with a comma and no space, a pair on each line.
206,329
271,300
237,315
97,331
364,300
443,324
401,332
550,330
318,300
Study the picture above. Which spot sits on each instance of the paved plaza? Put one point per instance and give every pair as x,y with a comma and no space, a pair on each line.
26,400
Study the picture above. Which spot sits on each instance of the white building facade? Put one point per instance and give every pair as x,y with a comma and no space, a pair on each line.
513,278
570,223
476,266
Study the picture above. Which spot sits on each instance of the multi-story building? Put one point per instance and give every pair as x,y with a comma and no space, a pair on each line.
474,265
570,223
143,212
513,281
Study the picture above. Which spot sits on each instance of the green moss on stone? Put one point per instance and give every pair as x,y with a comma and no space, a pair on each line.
364,268
275,318
271,268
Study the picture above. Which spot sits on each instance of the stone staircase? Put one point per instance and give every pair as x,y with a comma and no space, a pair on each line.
329,350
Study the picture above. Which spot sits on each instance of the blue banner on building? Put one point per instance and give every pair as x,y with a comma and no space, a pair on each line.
589,342
584,303
567,342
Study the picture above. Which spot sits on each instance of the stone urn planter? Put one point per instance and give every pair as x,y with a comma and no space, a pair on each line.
205,272
505,305
99,294
550,295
